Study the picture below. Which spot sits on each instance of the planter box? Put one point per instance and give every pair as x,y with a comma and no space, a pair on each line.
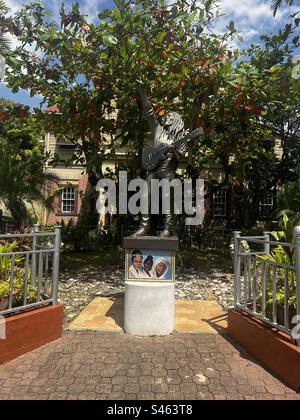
29,330
269,346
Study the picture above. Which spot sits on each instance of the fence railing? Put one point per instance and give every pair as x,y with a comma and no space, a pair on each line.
30,274
267,280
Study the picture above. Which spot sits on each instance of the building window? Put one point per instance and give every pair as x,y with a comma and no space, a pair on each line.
68,200
220,203
266,204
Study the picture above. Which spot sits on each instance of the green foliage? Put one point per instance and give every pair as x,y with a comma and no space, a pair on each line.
287,224
242,99
18,285
276,4
4,289
87,70
73,235
18,290
22,175
5,261
289,199
80,236
31,292
279,255
104,238
6,102
282,255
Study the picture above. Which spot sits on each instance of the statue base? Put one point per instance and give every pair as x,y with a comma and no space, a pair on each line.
149,308
150,300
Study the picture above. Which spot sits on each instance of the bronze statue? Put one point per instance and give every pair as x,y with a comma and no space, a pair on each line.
170,141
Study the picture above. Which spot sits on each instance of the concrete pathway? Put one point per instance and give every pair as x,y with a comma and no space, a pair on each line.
114,365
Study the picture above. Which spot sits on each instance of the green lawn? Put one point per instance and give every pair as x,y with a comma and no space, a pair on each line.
204,260
73,261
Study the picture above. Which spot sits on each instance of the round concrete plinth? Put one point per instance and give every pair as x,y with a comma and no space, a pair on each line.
149,308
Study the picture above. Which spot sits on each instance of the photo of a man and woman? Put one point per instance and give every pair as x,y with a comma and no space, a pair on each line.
149,265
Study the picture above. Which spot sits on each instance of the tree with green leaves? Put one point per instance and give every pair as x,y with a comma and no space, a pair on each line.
254,132
23,180
276,4
5,102
89,70
289,199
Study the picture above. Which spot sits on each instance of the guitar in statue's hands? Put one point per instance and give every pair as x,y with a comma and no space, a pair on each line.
152,156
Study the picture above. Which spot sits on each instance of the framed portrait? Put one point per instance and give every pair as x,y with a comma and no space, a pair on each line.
149,265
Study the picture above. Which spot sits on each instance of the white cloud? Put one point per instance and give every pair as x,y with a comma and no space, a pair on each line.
13,5
249,33
252,18
92,8
255,11
251,11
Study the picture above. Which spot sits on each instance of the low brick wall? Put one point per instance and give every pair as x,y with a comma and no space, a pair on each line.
29,330
270,347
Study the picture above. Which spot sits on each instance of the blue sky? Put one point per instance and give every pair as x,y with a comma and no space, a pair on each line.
252,18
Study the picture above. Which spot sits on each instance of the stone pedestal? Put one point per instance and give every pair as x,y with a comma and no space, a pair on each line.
150,300
149,308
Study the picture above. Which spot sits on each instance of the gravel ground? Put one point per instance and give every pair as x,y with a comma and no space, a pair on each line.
79,288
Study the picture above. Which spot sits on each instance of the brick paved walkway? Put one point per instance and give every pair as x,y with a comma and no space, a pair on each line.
111,365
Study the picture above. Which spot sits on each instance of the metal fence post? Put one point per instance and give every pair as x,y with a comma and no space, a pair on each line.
36,228
267,247
55,274
237,268
297,266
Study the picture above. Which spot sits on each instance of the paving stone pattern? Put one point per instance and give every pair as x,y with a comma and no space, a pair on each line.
191,316
116,366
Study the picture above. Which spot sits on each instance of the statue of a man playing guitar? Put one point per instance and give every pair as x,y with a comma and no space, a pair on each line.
170,140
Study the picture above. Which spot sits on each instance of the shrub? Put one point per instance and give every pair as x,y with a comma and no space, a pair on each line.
18,286
282,255
5,261
18,289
